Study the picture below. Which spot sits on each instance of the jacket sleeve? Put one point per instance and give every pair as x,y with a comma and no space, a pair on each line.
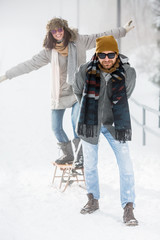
37,61
89,41
79,81
130,80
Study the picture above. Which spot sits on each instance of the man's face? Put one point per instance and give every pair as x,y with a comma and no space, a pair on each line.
107,61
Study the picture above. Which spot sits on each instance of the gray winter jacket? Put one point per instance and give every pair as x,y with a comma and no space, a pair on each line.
82,44
105,115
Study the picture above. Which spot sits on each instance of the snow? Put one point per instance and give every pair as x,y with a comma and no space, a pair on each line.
31,208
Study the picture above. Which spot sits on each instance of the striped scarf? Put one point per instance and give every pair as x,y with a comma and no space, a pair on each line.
88,119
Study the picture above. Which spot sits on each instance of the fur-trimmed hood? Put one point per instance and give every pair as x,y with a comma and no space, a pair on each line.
59,22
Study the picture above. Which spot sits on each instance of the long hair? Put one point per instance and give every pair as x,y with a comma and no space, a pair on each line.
50,42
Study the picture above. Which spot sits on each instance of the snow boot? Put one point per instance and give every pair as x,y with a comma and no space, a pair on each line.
78,162
128,216
67,157
91,206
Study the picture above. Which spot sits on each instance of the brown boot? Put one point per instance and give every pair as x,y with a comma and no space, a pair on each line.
67,156
91,206
128,216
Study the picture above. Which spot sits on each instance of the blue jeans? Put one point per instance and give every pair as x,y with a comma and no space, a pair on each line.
57,122
121,151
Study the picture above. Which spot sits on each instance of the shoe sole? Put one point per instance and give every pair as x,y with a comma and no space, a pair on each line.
131,223
89,212
63,163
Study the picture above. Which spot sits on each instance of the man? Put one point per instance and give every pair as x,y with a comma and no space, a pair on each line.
103,86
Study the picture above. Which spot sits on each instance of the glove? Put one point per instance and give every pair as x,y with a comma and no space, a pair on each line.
3,78
128,26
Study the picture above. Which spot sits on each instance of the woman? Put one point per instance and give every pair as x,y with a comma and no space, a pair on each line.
66,50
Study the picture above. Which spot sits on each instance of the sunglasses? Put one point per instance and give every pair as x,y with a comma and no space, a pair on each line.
109,55
54,31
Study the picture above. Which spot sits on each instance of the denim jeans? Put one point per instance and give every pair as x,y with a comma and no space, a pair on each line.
121,151
57,122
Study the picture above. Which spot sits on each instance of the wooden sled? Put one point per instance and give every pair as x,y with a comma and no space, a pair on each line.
68,175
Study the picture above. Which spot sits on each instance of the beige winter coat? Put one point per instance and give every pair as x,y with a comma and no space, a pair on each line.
81,45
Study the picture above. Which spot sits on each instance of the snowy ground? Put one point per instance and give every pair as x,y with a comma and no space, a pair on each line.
31,208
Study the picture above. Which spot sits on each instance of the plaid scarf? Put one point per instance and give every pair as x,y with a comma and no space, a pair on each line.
88,119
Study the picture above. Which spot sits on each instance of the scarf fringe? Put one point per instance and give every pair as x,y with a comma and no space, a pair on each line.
87,130
123,135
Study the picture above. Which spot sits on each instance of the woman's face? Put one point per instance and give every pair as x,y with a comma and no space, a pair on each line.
58,33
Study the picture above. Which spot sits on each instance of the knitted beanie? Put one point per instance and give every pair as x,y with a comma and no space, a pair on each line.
106,43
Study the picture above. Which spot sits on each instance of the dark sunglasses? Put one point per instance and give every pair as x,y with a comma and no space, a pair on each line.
56,30
109,55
